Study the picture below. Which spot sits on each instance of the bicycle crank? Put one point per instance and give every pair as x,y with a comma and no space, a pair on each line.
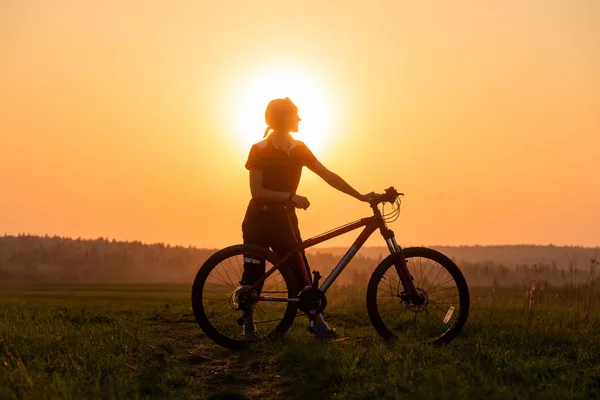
311,300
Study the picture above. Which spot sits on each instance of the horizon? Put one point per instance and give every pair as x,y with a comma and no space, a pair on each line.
317,247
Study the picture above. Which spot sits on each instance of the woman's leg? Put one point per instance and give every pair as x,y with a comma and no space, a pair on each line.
254,232
287,240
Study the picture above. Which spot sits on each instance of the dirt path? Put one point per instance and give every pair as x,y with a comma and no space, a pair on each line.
227,374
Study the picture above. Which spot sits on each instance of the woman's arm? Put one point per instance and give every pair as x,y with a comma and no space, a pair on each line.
259,192
335,181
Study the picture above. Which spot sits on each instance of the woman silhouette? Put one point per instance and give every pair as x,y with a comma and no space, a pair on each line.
275,166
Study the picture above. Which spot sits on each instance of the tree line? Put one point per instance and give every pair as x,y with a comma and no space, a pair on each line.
59,259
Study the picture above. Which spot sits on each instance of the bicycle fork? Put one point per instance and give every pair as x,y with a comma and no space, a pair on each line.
410,294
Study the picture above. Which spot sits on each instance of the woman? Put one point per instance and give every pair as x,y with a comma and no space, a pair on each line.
275,166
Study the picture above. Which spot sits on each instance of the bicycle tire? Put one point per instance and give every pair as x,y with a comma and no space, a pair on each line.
428,254
198,289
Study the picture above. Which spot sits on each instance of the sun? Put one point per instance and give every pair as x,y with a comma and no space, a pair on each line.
302,87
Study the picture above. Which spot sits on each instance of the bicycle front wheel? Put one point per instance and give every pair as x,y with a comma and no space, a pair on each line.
213,300
437,278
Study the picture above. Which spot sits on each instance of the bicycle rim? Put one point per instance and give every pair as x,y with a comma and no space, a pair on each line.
212,297
443,287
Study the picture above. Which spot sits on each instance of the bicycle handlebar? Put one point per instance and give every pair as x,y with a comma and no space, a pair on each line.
390,196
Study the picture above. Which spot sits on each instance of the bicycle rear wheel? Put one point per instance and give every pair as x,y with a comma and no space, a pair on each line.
213,305
437,278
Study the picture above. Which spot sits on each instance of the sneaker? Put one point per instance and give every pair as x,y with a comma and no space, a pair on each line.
323,331
249,331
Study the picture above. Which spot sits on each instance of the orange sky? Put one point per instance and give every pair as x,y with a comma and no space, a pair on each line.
120,119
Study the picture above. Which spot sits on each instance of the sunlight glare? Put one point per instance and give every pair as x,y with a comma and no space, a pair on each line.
314,107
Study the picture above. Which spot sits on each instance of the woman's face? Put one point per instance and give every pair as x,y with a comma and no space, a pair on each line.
291,121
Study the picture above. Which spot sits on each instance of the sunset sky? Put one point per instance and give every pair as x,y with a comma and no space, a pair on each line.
133,120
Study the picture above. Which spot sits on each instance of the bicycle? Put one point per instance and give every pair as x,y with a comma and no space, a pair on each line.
404,298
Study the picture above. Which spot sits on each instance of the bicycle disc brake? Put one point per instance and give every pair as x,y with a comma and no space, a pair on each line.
413,306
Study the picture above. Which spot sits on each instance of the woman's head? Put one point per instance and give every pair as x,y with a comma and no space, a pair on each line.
282,115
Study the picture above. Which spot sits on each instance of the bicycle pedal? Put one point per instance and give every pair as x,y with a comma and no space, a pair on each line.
316,278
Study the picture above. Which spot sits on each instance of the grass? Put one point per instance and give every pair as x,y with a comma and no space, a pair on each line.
141,341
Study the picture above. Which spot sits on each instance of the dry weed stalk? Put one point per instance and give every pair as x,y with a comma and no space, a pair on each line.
530,296
495,289
590,287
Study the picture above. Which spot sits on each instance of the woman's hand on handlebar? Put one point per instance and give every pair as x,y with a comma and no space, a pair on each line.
300,202
369,196
390,196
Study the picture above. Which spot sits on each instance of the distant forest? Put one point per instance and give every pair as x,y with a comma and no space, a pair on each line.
58,259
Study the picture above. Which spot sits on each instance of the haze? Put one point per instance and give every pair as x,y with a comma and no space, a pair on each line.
121,119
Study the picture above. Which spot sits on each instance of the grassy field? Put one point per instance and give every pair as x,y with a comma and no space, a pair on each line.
141,341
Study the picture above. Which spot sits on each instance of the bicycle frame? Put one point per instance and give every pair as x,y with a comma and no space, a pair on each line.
370,224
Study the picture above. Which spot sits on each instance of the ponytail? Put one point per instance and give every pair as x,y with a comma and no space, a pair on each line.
267,131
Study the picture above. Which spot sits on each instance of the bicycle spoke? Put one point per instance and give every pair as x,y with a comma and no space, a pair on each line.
423,278
391,278
227,273
438,300
230,285
442,305
216,299
390,292
443,289
239,267
395,309
225,289
434,279
277,285
437,321
439,307
223,279
272,275
223,316
448,281
208,291
212,303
